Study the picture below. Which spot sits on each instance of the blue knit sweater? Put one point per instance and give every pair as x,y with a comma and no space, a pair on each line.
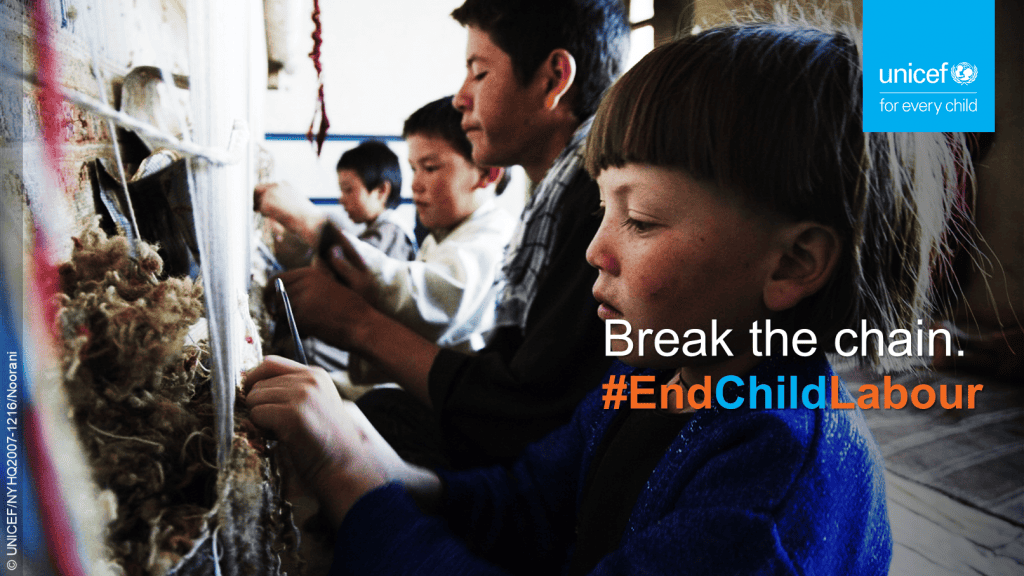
743,491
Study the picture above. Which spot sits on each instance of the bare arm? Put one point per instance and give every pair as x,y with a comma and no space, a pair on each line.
297,214
398,351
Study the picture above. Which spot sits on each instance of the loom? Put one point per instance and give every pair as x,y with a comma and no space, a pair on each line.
152,364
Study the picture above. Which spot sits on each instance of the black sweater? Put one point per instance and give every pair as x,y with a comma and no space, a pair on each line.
524,385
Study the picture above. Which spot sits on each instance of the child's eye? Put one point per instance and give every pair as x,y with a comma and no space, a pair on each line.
429,169
479,76
599,212
637,225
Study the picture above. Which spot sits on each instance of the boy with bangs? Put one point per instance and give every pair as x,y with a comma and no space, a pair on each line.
370,182
370,185
371,188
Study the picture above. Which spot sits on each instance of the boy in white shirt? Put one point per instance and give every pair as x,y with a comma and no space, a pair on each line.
447,294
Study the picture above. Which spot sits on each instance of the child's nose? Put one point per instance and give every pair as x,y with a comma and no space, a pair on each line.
417,185
462,101
600,255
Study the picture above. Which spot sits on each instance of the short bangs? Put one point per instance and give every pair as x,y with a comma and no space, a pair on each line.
763,110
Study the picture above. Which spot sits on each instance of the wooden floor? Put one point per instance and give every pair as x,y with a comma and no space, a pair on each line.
955,478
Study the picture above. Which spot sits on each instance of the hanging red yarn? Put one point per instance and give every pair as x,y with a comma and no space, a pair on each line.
321,133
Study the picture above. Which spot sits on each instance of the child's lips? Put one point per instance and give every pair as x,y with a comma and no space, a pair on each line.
608,312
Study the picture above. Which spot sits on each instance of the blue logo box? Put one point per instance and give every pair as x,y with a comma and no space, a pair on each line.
929,66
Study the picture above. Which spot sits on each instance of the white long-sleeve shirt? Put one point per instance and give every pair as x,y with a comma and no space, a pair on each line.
448,293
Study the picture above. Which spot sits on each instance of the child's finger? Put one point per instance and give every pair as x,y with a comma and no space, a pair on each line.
271,367
274,391
257,195
348,253
290,278
295,282
343,267
277,420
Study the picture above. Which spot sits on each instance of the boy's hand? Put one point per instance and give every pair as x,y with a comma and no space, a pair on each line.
296,213
324,308
338,255
334,448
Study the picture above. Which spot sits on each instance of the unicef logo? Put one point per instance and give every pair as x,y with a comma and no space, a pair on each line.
964,73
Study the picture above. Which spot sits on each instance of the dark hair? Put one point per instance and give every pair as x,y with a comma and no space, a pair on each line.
439,118
595,32
771,113
375,164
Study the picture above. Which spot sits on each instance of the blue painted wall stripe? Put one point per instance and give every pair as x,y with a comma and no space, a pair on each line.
287,136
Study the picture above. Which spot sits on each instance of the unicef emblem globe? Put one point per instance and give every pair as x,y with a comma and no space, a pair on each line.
964,73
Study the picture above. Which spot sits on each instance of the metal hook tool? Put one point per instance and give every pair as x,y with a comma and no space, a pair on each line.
300,353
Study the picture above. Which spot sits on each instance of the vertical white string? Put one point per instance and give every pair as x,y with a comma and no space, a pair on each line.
218,72
218,67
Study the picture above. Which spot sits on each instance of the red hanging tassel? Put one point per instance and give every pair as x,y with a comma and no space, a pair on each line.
321,133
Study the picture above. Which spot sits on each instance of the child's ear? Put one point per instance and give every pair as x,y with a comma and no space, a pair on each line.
384,190
560,68
489,176
809,253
